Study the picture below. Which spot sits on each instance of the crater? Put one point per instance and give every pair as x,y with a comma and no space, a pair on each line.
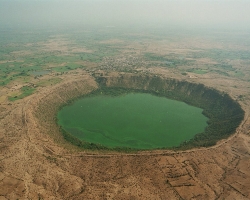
221,113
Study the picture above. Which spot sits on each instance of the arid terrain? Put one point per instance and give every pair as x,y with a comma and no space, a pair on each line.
34,166
36,163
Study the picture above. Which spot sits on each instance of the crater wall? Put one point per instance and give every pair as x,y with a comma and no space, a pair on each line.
224,114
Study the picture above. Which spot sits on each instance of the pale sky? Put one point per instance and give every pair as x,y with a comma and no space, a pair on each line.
233,14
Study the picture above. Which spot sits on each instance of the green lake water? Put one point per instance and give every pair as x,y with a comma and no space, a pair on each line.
136,120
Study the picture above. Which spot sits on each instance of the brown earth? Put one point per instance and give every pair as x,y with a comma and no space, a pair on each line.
35,163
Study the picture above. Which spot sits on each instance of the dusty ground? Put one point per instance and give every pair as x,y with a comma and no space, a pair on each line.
34,166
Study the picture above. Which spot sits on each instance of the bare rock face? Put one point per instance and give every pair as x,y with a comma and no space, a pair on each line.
36,163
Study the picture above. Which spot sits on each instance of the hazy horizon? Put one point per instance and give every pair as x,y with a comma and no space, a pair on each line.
209,14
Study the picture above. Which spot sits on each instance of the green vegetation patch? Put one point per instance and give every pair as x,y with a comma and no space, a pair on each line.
68,67
220,72
26,91
18,67
225,67
92,57
155,57
5,80
48,82
168,60
39,73
222,54
239,74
